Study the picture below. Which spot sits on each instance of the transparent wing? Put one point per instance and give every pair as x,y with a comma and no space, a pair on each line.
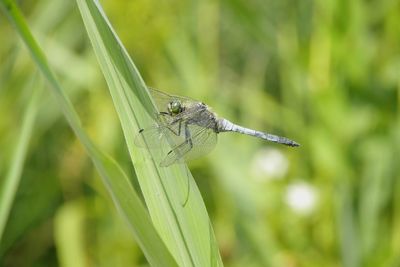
154,137
149,137
162,99
188,142
200,142
168,128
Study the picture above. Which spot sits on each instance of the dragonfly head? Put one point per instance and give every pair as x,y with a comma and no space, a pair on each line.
175,107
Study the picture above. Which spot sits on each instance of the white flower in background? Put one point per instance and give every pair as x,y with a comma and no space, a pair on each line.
270,163
301,197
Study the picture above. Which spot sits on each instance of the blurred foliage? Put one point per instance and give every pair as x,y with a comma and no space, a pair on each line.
324,73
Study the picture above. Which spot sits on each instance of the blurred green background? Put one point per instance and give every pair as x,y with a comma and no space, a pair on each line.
323,73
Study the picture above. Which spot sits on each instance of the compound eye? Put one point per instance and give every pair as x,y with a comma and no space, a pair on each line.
175,107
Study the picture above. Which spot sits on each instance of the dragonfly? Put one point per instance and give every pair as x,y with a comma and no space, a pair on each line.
190,128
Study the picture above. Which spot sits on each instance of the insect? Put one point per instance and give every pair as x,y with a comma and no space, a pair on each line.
191,128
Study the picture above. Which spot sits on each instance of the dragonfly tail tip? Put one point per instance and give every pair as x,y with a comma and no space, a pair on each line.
294,144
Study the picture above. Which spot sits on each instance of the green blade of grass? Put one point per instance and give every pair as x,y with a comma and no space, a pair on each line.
114,178
185,229
12,179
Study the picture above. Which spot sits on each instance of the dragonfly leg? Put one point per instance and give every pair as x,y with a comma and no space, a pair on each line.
188,136
177,133
188,140
179,127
